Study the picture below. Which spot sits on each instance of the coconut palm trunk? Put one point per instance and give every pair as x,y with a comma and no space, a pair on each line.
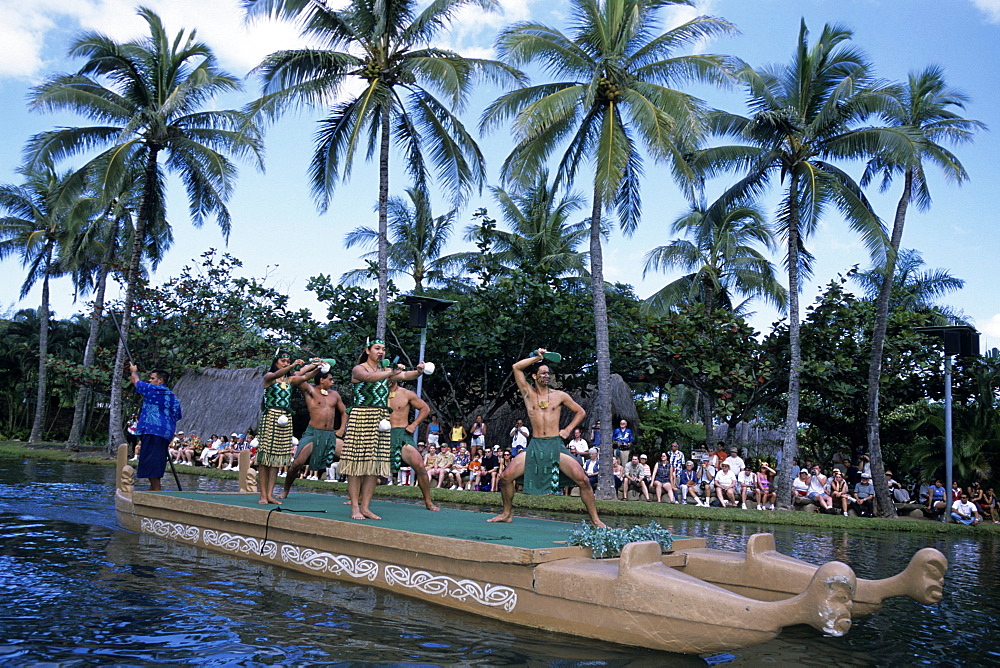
606,483
115,434
886,508
790,447
90,351
38,424
383,227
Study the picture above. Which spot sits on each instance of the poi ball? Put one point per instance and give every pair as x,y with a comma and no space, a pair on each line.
429,368
324,368
384,425
282,420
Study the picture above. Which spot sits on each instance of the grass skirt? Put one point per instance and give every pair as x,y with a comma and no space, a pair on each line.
366,449
274,441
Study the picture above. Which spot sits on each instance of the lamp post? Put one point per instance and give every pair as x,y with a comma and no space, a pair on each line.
960,340
420,307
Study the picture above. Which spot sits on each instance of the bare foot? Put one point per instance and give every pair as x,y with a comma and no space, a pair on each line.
356,515
282,495
500,518
274,501
600,524
431,506
262,501
370,515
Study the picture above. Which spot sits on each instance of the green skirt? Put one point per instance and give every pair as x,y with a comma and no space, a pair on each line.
541,466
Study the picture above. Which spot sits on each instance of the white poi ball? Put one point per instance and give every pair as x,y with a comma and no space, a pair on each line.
384,425
324,368
282,420
429,368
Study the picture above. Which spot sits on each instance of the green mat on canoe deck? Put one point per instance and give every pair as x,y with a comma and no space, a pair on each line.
469,525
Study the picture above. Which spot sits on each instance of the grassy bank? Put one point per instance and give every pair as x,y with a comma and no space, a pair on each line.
97,456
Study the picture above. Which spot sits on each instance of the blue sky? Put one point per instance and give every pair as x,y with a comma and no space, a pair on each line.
278,233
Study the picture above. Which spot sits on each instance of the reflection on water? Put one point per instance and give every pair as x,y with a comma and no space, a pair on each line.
75,589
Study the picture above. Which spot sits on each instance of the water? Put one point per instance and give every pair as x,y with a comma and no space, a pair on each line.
76,590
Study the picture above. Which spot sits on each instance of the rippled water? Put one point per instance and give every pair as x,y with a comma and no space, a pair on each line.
76,589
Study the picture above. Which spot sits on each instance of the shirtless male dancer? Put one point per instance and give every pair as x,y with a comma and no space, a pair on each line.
319,443
402,402
366,449
546,456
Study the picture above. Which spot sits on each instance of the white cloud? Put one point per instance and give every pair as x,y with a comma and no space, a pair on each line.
989,7
992,327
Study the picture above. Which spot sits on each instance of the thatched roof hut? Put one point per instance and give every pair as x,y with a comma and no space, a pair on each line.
220,401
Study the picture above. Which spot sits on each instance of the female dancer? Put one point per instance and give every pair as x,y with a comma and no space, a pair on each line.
275,439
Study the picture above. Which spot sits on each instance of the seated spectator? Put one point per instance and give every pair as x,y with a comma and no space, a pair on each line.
746,484
817,490
486,478
839,491
592,467
442,465
227,454
864,496
578,446
736,463
687,482
475,465
725,485
896,490
619,473
211,450
706,475
800,486
851,473
988,509
460,467
956,491
647,473
634,478
937,501
662,473
923,494
964,511
175,447
766,496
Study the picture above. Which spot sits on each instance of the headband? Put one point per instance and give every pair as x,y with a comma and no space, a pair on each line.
372,342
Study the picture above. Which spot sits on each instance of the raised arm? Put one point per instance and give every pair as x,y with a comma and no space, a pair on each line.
134,371
520,366
307,372
272,376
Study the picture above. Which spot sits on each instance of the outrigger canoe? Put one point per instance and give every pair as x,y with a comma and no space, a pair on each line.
689,599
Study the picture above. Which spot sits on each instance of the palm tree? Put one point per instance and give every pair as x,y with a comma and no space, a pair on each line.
722,261
418,237
927,106
913,288
386,47
89,256
611,98
149,93
38,215
803,115
541,238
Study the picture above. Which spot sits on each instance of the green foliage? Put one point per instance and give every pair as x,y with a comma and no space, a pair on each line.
716,353
836,344
666,422
608,542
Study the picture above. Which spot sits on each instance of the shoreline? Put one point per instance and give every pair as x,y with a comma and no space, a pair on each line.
570,505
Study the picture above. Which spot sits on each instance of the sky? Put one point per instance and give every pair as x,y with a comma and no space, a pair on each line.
279,234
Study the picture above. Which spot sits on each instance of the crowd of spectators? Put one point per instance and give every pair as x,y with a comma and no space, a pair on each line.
457,458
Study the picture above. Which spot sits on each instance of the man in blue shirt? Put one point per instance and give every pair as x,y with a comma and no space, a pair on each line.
157,424
622,437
